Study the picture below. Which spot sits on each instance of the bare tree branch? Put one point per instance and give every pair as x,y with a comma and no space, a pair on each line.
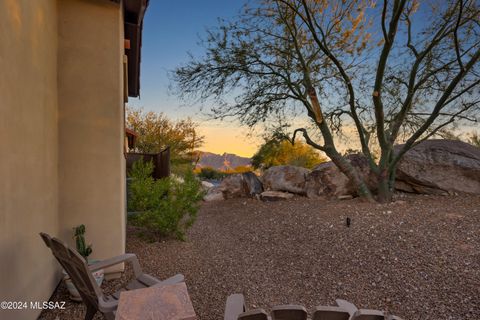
307,138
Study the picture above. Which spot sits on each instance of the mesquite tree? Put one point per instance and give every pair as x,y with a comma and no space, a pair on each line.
394,71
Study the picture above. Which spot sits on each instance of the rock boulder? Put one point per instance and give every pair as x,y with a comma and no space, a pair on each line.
252,184
285,178
439,166
241,185
327,181
207,185
214,194
232,186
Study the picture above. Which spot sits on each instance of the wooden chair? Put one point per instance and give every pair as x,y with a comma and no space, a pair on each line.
81,275
235,310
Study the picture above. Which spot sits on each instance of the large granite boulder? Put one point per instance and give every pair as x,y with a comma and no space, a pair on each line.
439,166
252,184
207,185
241,185
327,181
214,194
285,178
232,186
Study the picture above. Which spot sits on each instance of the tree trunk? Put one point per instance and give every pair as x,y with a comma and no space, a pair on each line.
392,176
346,167
384,187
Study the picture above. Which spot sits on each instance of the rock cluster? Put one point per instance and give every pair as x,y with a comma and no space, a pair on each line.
236,186
431,167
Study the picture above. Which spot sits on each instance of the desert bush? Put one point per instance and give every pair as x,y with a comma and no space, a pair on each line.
209,173
281,152
240,169
167,207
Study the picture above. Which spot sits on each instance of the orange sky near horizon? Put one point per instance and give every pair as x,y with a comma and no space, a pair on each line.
229,138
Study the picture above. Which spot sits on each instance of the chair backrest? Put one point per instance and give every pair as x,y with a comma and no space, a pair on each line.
257,314
285,312
289,312
235,310
294,312
330,313
364,314
76,267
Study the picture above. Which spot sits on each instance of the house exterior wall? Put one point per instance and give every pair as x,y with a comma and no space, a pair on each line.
28,140
91,123
61,136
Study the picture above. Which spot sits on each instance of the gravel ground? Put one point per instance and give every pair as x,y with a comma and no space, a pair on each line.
418,257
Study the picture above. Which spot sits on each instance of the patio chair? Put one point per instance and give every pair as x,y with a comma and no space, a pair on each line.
81,275
235,310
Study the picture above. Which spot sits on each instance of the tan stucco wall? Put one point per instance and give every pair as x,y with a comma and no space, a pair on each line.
61,136
28,144
91,123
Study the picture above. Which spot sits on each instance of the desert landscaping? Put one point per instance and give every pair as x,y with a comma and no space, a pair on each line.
417,257
436,167
311,240
240,160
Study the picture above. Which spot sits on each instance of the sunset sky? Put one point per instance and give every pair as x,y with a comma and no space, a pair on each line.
171,29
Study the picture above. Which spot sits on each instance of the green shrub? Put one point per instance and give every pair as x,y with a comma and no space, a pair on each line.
180,167
167,207
209,173
281,152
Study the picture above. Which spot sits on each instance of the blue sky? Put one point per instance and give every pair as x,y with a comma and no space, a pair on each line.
171,29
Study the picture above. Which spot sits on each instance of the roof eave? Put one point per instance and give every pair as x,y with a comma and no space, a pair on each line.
134,12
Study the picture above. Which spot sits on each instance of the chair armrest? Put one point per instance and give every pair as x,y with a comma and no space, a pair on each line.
348,306
235,305
368,315
178,278
128,257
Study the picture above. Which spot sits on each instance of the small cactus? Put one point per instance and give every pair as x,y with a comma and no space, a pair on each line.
79,237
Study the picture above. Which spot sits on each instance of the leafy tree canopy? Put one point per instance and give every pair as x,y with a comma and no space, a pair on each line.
274,153
156,131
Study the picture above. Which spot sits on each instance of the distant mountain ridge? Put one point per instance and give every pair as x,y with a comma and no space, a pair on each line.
222,162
